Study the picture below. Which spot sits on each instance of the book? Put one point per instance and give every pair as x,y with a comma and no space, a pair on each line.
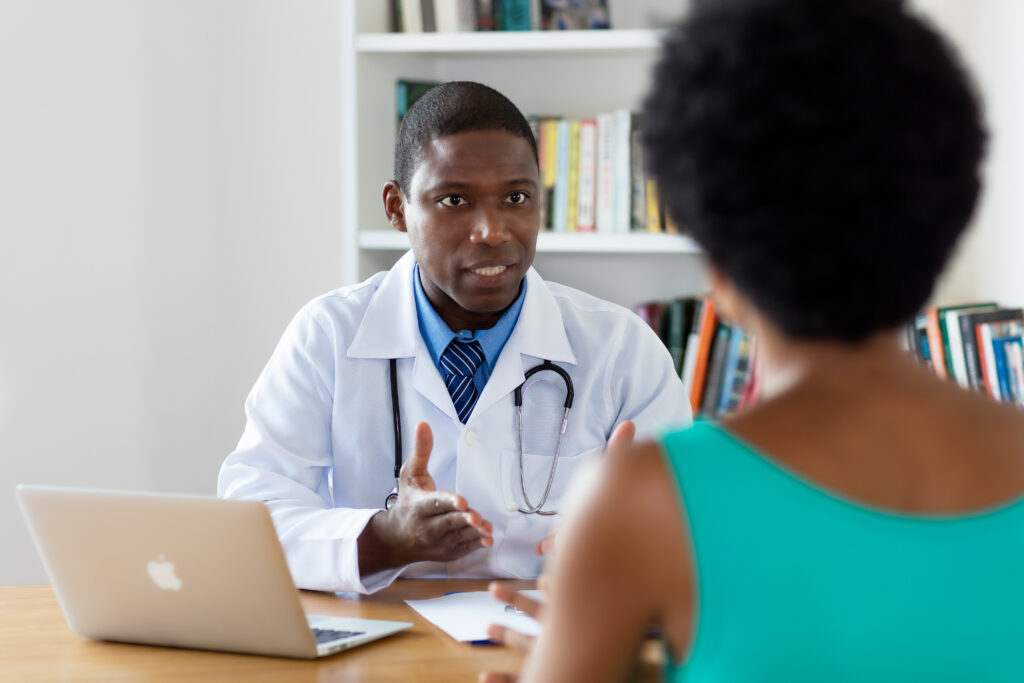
1015,369
740,368
587,176
650,312
604,210
623,183
968,333
653,208
638,181
407,92
935,346
999,352
561,193
573,184
427,12
692,342
484,15
512,15
412,16
717,357
953,339
452,16
675,331
708,321
989,352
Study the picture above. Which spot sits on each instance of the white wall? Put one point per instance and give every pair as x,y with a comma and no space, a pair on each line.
168,199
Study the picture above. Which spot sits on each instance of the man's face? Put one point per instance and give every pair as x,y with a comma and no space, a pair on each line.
472,212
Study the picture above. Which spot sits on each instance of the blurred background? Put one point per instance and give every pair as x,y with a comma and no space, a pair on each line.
170,196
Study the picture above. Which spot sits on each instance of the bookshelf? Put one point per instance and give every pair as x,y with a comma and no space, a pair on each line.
559,73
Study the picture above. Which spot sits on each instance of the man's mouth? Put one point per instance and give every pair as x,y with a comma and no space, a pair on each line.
489,271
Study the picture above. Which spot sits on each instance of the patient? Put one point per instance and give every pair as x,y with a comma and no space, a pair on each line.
865,521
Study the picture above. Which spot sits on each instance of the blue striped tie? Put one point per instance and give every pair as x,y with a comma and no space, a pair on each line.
458,365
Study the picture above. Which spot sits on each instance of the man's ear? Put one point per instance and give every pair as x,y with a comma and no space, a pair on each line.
394,205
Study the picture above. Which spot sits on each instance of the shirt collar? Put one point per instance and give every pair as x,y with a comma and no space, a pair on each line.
437,335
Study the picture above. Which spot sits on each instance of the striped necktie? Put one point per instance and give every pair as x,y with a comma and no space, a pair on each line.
458,365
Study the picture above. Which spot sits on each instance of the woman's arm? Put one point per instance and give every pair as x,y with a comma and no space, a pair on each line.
622,564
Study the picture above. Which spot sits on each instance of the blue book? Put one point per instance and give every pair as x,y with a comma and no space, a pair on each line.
1002,372
732,358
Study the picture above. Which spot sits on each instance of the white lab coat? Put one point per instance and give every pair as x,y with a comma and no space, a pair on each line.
318,446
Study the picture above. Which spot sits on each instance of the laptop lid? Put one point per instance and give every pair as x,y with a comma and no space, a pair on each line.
180,571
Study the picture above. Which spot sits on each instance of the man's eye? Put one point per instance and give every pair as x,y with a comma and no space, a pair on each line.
518,197
453,200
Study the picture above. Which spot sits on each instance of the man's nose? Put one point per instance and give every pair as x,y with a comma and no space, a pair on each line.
490,228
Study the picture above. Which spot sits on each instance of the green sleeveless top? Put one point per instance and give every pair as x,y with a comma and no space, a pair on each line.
793,583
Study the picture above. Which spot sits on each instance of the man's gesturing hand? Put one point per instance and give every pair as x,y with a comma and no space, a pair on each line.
424,523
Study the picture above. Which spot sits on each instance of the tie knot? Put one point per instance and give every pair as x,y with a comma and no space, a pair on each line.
462,358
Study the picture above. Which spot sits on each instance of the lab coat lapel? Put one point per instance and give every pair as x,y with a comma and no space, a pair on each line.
539,334
390,329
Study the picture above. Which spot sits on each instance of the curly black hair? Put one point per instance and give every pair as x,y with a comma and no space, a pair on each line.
450,108
823,153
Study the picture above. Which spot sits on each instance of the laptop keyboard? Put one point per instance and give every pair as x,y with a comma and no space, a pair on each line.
326,635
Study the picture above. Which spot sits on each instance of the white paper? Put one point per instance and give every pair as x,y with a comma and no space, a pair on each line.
466,616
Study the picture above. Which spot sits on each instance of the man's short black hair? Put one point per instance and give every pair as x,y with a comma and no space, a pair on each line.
824,154
449,108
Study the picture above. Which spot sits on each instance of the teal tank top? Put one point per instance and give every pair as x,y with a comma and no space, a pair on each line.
796,584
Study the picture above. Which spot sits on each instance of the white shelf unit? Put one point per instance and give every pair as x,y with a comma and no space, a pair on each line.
554,73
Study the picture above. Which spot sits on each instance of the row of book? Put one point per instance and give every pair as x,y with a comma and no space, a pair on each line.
979,346
451,16
594,176
715,360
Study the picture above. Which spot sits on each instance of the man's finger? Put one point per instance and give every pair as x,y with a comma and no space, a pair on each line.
510,637
622,435
414,471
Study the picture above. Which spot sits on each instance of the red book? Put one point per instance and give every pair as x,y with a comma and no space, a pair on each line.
708,322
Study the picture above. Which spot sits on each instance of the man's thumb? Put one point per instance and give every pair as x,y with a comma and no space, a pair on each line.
416,466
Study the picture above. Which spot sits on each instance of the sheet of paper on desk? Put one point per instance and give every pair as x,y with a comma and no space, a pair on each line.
466,616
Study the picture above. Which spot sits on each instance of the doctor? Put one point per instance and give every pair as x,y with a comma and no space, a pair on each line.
445,339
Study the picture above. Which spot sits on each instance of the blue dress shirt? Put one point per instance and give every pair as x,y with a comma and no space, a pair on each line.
437,335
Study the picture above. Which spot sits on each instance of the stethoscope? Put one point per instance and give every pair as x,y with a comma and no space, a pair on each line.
530,509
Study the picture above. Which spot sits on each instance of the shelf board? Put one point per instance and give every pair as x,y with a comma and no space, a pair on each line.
533,42
561,243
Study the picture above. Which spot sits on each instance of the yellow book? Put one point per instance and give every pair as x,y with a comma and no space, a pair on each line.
574,175
653,208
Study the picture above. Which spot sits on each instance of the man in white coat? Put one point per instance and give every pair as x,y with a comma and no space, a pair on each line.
432,352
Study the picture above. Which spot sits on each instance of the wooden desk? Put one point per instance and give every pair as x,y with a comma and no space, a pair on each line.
36,645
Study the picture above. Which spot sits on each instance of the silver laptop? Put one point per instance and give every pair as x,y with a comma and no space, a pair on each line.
180,571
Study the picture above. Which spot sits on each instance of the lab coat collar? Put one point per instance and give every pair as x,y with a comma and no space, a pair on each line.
389,330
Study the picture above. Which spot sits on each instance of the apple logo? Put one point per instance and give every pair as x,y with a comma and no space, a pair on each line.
162,573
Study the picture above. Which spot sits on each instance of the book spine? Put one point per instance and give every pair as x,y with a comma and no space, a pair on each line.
716,368
739,381
604,218
692,343
956,349
573,198
587,176
935,342
675,335
972,361
653,212
707,332
1002,373
429,22
732,359
638,181
623,183
412,16
550,169
484,15
562,179
983,334
514,15
1015,362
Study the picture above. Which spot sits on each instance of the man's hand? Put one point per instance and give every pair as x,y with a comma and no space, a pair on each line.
424,524
622,437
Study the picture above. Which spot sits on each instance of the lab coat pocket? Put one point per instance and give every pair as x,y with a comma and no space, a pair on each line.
523,531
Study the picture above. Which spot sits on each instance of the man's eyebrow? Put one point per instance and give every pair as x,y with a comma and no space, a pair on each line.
454,185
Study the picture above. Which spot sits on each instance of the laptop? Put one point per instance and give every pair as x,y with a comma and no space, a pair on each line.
179,571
